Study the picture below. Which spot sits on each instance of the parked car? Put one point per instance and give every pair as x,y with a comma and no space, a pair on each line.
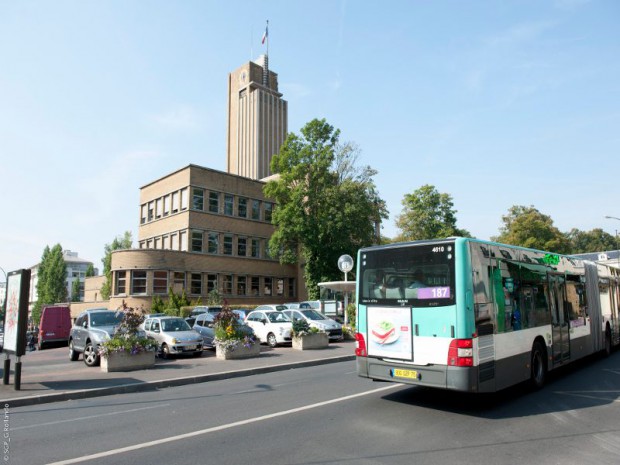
270,326
55,326
174,336
311,304
204,325
278,307
205,309
91,328
292,305
319,321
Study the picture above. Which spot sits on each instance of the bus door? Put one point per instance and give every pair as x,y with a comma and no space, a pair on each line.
560,326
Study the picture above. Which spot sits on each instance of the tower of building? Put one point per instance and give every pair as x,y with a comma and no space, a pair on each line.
257,119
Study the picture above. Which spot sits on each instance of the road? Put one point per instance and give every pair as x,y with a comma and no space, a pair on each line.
325,415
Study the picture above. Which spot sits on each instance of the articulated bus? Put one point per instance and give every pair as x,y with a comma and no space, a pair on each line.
477,316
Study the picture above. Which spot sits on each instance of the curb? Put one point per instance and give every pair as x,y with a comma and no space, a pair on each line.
164,383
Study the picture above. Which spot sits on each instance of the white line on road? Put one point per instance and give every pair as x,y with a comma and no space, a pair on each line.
219,428
90,417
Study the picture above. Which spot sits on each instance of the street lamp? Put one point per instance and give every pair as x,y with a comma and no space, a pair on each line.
345,264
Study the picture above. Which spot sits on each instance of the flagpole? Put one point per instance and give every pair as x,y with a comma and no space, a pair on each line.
267,32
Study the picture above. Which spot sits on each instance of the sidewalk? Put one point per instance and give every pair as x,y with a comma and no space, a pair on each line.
49,376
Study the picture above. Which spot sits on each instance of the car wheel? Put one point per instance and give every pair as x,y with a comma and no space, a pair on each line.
165,351
198,353
91,357
73,355
271,340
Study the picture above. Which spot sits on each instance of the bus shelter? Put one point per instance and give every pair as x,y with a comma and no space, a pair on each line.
343,287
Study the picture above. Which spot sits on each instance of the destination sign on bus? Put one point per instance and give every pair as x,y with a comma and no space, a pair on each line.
434,293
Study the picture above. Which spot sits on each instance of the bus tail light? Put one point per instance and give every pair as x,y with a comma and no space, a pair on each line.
461,353
360,345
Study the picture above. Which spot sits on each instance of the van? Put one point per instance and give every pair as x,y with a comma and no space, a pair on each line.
54,326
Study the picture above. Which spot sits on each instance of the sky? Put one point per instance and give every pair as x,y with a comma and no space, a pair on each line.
496,103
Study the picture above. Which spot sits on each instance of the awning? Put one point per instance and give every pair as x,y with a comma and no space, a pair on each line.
341,286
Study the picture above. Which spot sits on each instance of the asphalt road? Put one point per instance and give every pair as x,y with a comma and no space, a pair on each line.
325,415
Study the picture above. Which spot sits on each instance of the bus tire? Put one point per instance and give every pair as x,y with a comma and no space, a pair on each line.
538,366
607,342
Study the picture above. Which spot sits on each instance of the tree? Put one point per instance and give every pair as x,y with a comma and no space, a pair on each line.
118,243
326,205
596,240
428,214
51,280
527,227
90,271
75,290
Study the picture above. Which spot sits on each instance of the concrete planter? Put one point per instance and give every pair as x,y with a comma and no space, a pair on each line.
123,361
311,341
240,351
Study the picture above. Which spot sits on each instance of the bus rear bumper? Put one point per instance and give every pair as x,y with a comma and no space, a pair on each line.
437,376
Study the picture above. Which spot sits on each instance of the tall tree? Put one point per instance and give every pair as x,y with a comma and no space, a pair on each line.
428,214
326,205
75,290
119,243
528,227
596,240
90,271
51,280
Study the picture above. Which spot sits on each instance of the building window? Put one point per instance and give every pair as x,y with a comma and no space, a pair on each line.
241,285
256,209
160,282
183,241
165,242
157,242
166,205
121,282
159,207
174,241
175,202
242,208
178,281
211,283
280,287
151,211
255,286
268,211
242,246
292,291
196,241
255,248
195,283
214,242
268,288
228,244
184,199
138,282
143,214
228,204
227,283
198,199
214,202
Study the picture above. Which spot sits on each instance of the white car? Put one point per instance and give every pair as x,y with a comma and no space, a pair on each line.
319,321
270,326
278,307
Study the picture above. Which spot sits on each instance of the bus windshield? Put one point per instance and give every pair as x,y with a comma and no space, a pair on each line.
414,275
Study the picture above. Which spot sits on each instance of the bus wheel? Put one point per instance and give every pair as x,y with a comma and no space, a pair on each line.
538,365
607,342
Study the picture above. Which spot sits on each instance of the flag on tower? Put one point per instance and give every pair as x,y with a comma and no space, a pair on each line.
265,34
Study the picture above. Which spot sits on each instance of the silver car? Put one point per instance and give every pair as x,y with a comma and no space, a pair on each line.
92,328
319,321
174,336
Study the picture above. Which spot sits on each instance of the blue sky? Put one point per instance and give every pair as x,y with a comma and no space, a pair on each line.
495,103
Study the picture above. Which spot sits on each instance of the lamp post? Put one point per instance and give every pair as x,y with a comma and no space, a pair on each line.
345,264
617,243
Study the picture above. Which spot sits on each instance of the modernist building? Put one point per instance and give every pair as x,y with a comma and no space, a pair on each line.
257,119
203,230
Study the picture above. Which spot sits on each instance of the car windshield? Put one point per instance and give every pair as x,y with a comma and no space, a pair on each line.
106,319
313,315
277,317
176,324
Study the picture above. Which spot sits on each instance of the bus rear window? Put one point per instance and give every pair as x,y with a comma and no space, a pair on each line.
414,275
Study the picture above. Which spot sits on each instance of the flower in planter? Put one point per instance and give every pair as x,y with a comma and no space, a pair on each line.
301,327
230,332
128,337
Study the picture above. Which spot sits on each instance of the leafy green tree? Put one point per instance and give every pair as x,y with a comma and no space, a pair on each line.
326,205
90,271
119,243
428,214
51,281
214,298
75,290
528,227
596,240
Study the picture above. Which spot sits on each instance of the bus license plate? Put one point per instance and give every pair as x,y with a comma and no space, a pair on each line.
411,374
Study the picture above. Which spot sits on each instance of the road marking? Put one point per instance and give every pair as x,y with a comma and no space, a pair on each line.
90,417
220,428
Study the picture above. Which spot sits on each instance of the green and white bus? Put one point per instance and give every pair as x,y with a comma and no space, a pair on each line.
478,316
